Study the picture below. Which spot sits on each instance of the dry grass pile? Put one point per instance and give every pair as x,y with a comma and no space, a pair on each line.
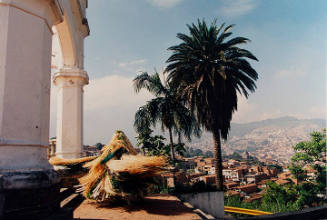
57,161
138,165
118,173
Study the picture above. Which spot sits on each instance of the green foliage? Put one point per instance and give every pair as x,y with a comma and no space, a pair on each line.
208,154
312,153
278,167
235,156
291,197
152,145
209,70
166,108
279,198
191,152
236,201
307,152
99,146
298,172
180,148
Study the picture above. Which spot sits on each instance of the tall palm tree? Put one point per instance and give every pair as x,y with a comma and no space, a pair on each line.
165,107
209,70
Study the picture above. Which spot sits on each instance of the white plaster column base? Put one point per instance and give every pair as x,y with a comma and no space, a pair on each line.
25,60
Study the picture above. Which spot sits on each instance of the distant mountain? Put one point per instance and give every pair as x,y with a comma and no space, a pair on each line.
267,139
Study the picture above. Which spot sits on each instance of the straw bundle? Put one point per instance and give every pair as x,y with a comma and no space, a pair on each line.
57,161
138,165
118,173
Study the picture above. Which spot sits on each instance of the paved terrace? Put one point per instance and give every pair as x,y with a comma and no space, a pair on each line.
154,207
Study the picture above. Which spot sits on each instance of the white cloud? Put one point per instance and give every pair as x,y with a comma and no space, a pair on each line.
164,3
109,104
292,71
112,91
133,66
235,8
132,63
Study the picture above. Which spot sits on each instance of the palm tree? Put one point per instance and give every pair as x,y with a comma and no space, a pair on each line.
208,70
165,107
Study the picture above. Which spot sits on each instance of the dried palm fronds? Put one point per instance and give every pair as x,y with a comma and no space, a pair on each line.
118,173
57,161
138,165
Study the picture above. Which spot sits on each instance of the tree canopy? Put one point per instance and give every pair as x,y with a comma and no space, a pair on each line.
209,71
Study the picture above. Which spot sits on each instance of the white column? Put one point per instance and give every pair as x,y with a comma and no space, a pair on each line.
25,59
70,82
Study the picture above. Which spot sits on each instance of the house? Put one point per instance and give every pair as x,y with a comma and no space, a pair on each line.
209,179
282,182
263,183
233,174
232,193
231,185
255,178
250,188
270,172
253,197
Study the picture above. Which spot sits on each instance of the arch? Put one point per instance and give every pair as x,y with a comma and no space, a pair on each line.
70,77
71,33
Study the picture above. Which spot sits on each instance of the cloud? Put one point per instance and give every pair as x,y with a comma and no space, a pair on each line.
133,66
293,71
109,104
164,3
235,8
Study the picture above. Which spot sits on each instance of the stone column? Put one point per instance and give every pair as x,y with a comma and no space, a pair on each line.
70,82
26,177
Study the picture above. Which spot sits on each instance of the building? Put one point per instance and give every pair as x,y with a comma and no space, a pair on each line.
38,37
254,177
233,174
209,179
250,188
231,185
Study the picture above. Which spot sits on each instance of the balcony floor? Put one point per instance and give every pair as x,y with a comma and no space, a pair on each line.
154,207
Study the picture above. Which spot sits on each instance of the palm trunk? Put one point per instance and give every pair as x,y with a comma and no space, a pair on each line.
179,137
171,145
218,160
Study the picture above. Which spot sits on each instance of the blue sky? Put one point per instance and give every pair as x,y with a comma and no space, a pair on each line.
287,36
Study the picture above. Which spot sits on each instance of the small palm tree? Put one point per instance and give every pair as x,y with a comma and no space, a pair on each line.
165,107
208,70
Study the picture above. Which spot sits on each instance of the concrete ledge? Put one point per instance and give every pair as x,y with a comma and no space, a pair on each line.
11,180
210,202
32,194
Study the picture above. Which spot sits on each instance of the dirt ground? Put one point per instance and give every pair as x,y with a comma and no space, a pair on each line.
152,208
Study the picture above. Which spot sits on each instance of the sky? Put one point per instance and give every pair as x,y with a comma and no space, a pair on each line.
127,36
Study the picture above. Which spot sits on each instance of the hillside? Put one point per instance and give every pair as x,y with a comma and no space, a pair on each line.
270,139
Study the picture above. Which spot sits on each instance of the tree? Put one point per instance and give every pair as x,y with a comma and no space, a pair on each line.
166,107
151,145
208,154
312,153
99,145
279,198
208,72
297,172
